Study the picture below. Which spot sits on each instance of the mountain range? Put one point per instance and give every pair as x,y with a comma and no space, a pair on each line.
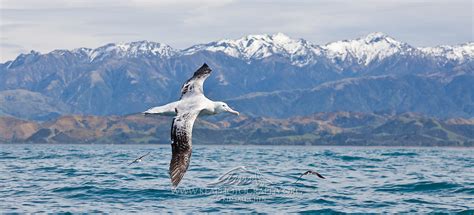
260,75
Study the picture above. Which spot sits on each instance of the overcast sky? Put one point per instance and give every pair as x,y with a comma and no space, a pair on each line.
45,25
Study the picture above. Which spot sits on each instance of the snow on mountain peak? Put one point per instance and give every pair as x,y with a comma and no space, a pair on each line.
364,50
132,49
376,36
458,52
253,47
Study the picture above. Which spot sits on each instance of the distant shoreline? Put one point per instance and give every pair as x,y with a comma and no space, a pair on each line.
249,145
329,128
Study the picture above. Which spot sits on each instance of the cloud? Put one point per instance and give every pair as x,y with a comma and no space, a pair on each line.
7,49
9,45
59,24
117,34
63,4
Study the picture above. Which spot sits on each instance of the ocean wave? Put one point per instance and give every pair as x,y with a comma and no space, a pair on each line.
357,158
120,194
5,157
422,186
321,211
466,190
397,154
72,188
58,156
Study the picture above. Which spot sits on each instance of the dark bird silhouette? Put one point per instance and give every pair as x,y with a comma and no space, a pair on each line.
139,159
310,172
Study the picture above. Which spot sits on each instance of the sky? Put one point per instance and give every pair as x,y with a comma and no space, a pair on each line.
46,25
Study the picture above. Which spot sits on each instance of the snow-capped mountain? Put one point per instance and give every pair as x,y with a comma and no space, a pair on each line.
374,47
132,49
363,51
371,73
256,47
458,52
122,49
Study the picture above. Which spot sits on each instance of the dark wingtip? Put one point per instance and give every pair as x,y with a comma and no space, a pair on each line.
320,176
205,67
175,182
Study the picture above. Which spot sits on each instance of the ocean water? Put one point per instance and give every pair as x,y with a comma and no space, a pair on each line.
97,178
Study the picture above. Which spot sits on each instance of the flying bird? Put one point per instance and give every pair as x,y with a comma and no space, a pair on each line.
310,172
192,103
139,159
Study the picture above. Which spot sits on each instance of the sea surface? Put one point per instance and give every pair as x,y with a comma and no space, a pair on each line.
98,178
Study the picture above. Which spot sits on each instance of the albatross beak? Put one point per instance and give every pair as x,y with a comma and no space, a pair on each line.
233,111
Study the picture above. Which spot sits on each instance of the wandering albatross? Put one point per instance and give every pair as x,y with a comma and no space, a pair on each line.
193,103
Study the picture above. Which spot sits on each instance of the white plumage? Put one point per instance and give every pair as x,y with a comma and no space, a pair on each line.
191,104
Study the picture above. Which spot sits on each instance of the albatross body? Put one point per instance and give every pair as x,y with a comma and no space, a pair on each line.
193,103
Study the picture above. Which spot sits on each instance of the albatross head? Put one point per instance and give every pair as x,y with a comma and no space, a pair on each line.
220,107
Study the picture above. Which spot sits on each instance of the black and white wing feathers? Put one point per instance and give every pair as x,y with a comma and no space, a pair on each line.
181,145
194,85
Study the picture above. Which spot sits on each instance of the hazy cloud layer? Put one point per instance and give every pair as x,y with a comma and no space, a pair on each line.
45,25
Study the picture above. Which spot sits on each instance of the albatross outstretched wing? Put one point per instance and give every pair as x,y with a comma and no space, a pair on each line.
194,84
181,144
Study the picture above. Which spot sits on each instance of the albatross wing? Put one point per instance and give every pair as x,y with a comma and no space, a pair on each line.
181,145
194,84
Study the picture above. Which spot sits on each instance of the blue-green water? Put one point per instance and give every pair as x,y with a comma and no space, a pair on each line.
97,178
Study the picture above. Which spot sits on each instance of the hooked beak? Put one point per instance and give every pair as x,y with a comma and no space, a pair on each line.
233,111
